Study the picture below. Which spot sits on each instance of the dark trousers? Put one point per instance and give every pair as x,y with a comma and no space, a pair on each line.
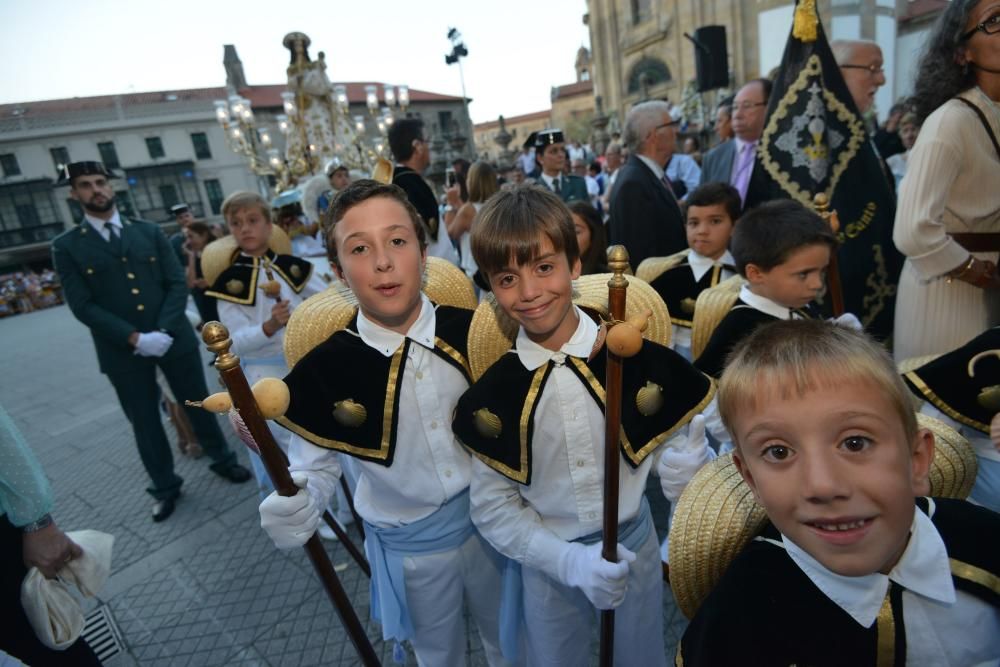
139,396
17,637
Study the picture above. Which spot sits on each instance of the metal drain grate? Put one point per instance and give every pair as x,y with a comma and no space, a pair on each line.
102,633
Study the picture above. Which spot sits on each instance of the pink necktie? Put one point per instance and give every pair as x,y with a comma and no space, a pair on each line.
741,176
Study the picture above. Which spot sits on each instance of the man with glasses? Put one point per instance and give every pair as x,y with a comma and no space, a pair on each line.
733,161
860,64
645,216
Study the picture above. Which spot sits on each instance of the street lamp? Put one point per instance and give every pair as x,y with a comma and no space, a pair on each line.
458,51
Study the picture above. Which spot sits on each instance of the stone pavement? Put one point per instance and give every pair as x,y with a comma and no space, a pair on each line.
205,587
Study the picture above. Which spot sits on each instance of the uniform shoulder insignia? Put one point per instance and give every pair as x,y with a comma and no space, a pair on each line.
652,267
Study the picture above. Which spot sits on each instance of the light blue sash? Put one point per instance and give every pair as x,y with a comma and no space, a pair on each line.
446,529
631,535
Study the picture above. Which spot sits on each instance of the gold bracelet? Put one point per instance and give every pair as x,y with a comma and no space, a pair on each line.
965,269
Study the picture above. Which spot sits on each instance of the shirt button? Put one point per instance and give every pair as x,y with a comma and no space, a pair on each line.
575,415
434,425
579,463
592,515
447,473
420,375
140,307
135,290
131,276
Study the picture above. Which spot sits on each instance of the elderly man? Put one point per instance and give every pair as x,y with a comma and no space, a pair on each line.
122,280
733,161
645,216
860,64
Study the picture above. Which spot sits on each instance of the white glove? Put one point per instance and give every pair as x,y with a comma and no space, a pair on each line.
153,344
602,582
681,460
290,520
849,320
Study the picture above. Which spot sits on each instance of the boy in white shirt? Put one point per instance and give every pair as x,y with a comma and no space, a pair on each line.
382,390
535,421
854,568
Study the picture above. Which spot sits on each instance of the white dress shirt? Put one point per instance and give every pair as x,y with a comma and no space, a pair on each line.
699,266
101,226
765,305
944,626
657,169
429,466
534,523
245,322
684,168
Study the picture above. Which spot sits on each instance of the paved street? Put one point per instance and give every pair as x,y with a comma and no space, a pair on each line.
205,587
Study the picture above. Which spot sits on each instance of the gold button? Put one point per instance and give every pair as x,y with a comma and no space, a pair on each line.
131,276
152,259
140,307
124,259
135,290
89,270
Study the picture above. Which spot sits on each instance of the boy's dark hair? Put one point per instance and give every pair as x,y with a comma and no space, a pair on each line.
361,191
402,134
511,223
711,194
769,233
199,228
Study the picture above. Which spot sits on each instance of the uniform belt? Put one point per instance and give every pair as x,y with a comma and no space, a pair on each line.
983,242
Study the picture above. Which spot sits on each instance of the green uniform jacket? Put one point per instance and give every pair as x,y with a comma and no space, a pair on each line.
143,290
572,188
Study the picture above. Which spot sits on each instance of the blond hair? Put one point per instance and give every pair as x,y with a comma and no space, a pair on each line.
245,199
798,356
482,181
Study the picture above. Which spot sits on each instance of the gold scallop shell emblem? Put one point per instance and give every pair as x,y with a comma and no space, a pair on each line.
487,423
989,398
349,413
687,305
649,399
295,271
235,286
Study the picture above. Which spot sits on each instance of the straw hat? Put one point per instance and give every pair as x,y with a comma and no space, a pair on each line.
319,316
652,268
711,306
492,332
717,515
219,254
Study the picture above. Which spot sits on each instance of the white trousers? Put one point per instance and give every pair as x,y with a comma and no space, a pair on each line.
558,619
436,585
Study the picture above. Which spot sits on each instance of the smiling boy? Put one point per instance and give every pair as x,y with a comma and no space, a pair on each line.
382,390
535,421
854,568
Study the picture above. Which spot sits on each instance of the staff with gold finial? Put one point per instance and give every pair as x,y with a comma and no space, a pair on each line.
216,336
821,203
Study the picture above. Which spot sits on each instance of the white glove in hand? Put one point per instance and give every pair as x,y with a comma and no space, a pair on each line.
602,582
153,344
290,521
849,320
679,463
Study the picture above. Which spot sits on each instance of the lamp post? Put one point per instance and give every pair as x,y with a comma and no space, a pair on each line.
458,51
244,137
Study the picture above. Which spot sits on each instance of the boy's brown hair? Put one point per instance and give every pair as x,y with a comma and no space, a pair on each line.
245,199
798,356
715,193
361,191
768,234
511,224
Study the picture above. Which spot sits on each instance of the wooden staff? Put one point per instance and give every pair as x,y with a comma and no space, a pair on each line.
822,204
216,336
618,263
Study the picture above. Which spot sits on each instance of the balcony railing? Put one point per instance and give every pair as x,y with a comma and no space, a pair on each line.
10,238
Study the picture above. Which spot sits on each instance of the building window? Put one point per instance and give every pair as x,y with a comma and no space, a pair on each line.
156,188
215,197
109,156
445,121
60,157
647,73
28,214
155,147
123,201
201,149
641,10
8,162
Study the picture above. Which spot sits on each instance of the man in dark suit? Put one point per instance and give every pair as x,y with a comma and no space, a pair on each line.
733,161
550,153
121,278
645,216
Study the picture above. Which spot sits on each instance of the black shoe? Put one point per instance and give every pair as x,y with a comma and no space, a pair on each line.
163,508
234,472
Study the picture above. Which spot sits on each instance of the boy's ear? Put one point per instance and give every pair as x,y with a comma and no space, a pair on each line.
745,473
753,273
576,269
921,455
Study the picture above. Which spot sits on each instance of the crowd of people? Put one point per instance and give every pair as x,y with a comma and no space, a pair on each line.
469,437
24,292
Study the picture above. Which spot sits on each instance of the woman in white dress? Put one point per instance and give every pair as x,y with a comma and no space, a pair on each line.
482,184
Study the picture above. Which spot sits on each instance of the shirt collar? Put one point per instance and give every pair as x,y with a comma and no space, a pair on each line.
422,331
701,264
549,180
740,144
99,224
763,304
923,569
580,344
649,162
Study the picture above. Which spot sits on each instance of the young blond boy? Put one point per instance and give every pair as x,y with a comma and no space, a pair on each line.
711,212
383,390
782,249
256,320
535,421
854,568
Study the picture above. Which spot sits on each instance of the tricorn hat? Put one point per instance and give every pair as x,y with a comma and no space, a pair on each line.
548,137
530,141
85,168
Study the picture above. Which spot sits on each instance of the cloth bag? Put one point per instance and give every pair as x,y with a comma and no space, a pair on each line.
53,612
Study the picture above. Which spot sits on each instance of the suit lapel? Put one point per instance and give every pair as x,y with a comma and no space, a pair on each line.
94,238
658,187
126,235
